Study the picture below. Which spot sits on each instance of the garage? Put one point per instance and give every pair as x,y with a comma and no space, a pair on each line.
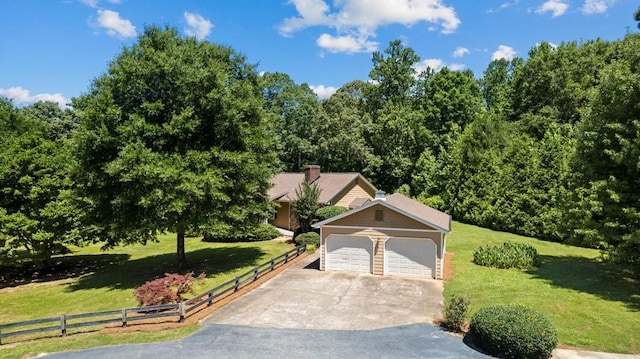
410,257
389,236
349,253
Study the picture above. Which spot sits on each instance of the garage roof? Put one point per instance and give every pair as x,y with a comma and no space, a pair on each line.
406,206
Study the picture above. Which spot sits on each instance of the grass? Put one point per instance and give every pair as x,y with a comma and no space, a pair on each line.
595,305
91,340
93,280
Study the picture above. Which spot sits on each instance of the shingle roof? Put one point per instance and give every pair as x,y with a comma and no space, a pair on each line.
357,202
420,211
330,184
404,205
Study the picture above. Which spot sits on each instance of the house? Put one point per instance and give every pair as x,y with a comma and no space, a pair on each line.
393,235
336,189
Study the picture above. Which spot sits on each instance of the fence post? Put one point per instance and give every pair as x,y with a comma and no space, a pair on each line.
237,283
210,299
255,274
286,257
272,264
0,337
124,317
182,312
63,325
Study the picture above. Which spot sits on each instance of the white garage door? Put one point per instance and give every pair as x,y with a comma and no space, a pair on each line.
349,253
410,257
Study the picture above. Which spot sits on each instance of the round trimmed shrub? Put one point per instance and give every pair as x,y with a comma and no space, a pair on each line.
507,255
513,332
312,238
329,211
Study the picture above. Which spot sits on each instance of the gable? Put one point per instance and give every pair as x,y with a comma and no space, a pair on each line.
390,219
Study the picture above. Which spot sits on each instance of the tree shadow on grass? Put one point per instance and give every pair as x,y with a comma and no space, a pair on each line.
131,274
59,268
610,281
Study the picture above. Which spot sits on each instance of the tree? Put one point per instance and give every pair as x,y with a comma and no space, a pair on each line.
305,205
293,111
636,16
37,212
606,203
172,138
343,132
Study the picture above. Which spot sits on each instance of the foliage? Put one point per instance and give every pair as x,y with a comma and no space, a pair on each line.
455,312
311,248
294,112
305,205
330,211
513,332
260,232
309,238
172,138
605,207
508,255
38,216
169,289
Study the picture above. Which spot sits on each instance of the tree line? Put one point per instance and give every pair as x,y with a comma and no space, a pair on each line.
184,136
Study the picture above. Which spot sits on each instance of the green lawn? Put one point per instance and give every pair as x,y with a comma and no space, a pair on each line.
92,280
594,305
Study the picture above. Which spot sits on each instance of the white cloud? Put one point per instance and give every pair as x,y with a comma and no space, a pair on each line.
348,44
94,3
597,6
504,5
436,65
460,51
357,20
555,7
198,26
20,95
324,92
114,24
504,52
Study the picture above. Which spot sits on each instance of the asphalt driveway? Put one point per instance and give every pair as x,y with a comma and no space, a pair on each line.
236,342
302,297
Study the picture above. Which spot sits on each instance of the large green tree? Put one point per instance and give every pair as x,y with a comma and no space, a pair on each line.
38,218
293,111
173,138
606,207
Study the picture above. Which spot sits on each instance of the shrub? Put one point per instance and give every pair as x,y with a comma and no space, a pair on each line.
330,211
309,238
169,289
311,248
508,255
259,232
455,312
513,332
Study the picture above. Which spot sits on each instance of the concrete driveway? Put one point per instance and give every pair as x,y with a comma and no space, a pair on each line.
303,297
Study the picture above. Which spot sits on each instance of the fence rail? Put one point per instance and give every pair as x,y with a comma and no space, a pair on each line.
126,315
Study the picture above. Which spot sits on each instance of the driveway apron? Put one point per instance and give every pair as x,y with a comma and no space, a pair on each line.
303,297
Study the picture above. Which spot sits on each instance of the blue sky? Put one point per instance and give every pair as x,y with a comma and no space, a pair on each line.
52,49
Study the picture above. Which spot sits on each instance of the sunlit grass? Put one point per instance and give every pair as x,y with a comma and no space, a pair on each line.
594,305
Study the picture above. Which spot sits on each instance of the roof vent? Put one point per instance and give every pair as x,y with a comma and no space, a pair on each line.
380,195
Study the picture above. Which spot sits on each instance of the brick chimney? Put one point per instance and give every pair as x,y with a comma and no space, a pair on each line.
311,173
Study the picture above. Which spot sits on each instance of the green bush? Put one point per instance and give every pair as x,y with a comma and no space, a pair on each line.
311,248
508,255
455,312
312,238
260,232
330,211
513,332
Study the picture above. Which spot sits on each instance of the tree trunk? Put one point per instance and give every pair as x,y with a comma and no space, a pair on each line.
182,258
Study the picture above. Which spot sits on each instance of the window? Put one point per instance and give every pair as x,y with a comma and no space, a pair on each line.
379,215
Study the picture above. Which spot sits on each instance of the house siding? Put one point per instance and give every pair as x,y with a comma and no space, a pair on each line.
284,217
380,236
356,191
